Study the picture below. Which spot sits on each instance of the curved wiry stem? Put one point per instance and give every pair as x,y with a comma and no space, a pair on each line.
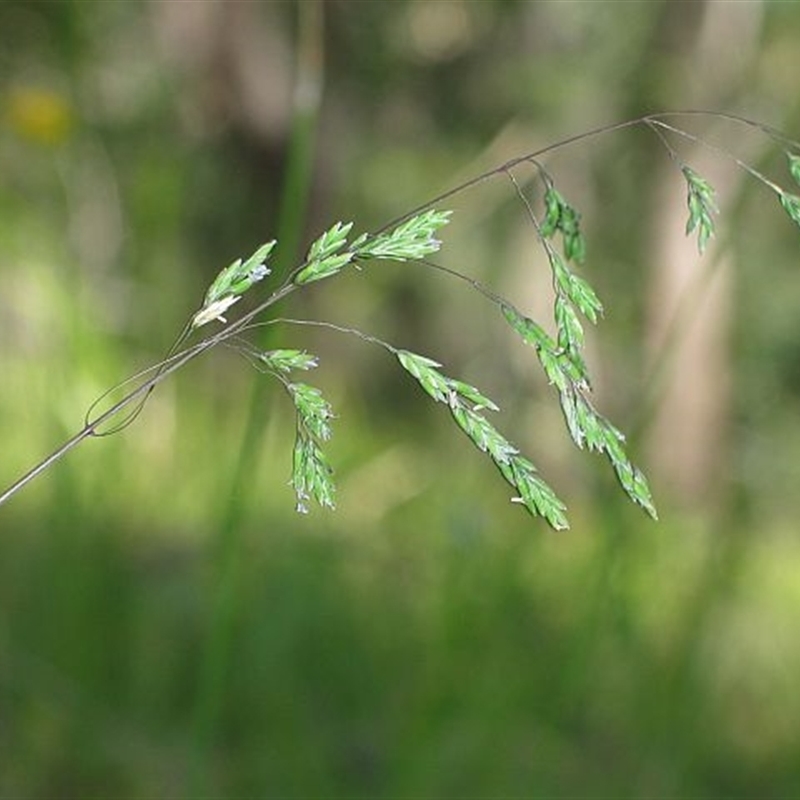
176,360
142,390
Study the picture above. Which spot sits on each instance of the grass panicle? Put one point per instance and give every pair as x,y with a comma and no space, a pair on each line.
413,237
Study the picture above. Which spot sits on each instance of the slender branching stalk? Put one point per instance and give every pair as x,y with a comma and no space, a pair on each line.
412,237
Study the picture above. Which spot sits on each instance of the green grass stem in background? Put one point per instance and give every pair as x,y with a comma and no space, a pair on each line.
216,665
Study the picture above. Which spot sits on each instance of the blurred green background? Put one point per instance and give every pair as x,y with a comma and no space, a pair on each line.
169,627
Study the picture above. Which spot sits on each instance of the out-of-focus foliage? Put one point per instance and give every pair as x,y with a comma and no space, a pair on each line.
426,638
